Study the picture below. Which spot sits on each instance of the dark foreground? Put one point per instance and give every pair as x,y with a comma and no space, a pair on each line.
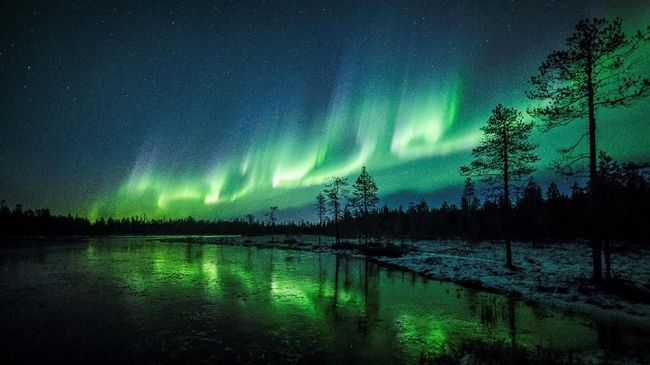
139,300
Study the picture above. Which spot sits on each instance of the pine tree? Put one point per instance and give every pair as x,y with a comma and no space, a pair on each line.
469,205
320,208
364,198
552,192
503,154
594,71
271,216
364,192
336,191
468,201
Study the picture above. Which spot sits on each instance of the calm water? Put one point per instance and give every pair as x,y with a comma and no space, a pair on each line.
140,300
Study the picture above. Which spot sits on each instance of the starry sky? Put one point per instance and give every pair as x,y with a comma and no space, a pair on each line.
216,109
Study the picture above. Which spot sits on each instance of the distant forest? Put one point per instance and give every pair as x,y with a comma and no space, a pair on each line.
537,213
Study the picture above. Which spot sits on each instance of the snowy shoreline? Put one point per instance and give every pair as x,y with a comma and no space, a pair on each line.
555,274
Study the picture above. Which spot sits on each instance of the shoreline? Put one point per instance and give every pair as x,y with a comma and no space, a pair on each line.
583,299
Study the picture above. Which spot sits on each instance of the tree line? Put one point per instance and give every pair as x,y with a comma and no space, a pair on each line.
537,213
21,222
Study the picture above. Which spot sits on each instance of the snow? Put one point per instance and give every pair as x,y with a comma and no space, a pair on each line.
553,273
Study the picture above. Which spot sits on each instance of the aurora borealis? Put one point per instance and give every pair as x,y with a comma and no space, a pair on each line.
218,109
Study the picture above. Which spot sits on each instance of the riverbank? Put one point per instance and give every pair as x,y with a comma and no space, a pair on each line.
555,274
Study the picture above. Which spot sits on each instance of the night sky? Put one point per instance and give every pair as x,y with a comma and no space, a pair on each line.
218,109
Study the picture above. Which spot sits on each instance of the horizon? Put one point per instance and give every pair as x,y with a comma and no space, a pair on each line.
308,212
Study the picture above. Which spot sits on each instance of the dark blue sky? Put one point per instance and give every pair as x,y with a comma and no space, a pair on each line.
220,108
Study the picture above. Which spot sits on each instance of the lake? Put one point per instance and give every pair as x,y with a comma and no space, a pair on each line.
137,299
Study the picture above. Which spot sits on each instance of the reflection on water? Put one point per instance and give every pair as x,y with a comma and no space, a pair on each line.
134,299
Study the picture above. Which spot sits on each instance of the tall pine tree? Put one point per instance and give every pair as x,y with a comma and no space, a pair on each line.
320,209
504,154
364,198
594,71
336,192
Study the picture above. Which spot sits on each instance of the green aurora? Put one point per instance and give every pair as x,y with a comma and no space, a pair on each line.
292,166
130,110
414,142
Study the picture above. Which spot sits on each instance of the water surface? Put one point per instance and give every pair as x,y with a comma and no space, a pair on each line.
134,299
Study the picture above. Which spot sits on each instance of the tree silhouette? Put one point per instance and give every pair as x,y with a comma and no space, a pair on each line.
250,219
552,192
320,208
469,205
364,192
336,192
594,71
529,207
271,216
503,154
364,197
468,201
610,177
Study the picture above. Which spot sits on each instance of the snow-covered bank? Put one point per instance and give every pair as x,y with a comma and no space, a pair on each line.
552,273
